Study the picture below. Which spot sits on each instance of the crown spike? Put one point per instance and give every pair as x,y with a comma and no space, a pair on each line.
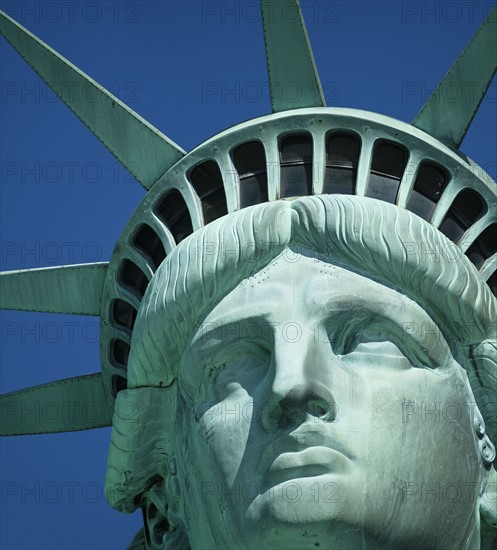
72,289
293,78
447,117
68,405
139,146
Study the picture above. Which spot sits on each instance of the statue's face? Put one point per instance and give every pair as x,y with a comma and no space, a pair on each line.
319,408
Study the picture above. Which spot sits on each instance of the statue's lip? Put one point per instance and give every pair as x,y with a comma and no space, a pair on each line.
308,449
310,462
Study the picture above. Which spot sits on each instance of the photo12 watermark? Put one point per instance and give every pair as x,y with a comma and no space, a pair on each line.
51,492
66,172
445,12
73,12
29,253
291,492
234,92
18,92
233,12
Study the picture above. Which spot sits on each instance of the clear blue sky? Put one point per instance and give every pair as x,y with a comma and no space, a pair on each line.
192,69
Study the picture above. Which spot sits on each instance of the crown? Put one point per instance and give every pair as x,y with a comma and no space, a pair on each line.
304,148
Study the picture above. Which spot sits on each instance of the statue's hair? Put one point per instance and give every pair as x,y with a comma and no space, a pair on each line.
381,241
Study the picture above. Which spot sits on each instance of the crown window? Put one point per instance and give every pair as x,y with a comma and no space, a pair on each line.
120,352
430,183
467,208
133,278
296,165
123,314
484,246
207,181
118,383
342,158
250,163
172,211
147,241
387,168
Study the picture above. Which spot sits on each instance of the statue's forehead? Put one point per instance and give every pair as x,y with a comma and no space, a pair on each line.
306,293
302,283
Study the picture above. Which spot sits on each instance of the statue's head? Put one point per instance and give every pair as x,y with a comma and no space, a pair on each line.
300,377
315,372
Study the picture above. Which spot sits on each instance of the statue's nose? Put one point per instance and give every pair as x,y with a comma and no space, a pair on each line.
300,388
299,405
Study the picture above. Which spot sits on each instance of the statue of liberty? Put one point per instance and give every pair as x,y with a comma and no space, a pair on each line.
277,351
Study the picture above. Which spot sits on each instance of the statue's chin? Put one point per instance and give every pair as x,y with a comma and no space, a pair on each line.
329,512
308,512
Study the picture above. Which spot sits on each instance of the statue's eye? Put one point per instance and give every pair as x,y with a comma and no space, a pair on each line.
374,340
243,364
383,347
367,332
371,335
379,354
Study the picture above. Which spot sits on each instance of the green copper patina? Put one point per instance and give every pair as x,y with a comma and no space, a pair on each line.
442,115
289,57
275,271
141,148
88,391
39,289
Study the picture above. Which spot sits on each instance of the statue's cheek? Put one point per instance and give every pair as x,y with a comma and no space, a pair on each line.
222,433
420,456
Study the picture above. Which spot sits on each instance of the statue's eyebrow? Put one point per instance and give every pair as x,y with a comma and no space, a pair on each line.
352,312
396,307
246,328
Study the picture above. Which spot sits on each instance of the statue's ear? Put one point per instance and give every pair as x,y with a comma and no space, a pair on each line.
488,503
482,374
162,516
155,522
488,512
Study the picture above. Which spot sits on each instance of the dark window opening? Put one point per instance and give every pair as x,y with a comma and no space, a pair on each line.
250,163
467,208
123,314
208,183
387,168
484,246
428,188
173,212
492,283
146,240
118,383
133,278
296,166
119,352
342,158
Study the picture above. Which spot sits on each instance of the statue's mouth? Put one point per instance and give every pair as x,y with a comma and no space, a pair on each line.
303,453
310,462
